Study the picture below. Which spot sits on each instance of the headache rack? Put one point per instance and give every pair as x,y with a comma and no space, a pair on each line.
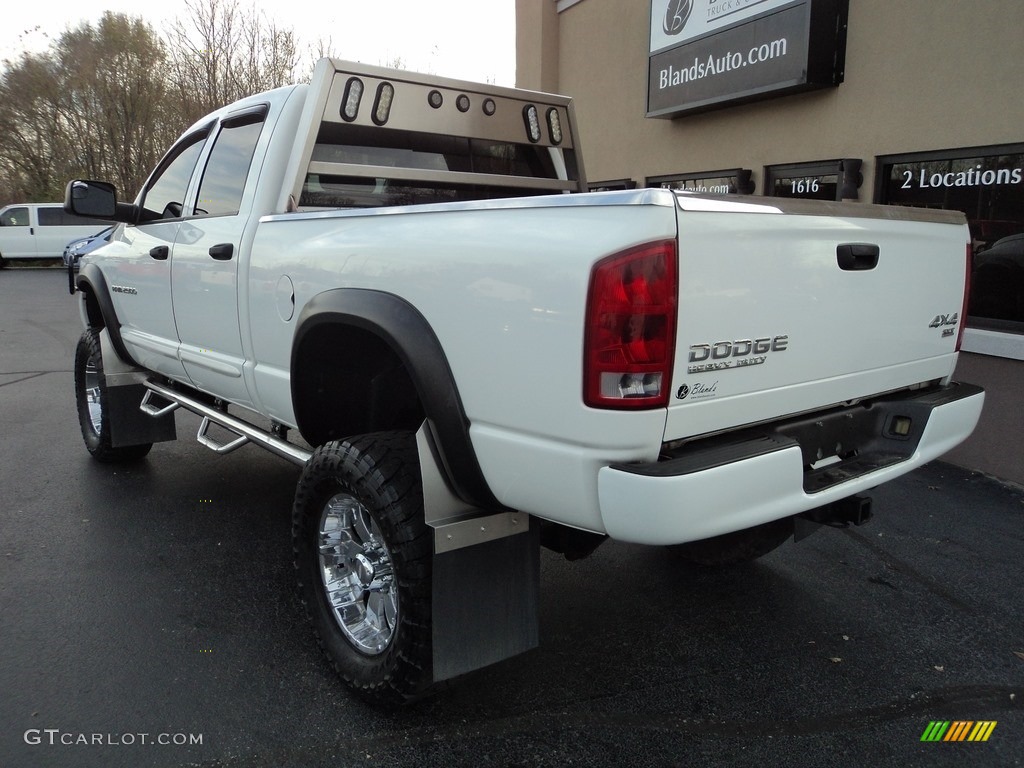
390,137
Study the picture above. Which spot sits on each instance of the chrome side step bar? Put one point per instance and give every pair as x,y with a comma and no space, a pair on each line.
246,432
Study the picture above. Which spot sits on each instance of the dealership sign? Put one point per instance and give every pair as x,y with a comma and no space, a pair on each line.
709,53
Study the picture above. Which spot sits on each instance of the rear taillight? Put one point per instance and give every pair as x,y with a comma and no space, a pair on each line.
967,297
629,341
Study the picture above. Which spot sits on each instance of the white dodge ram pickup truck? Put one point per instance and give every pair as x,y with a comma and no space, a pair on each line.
479,358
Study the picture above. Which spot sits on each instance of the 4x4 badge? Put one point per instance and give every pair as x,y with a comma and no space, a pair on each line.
944,320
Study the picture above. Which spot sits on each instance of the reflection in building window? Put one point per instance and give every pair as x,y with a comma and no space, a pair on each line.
987,184
735,181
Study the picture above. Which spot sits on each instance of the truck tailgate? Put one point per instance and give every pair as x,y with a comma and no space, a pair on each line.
788,306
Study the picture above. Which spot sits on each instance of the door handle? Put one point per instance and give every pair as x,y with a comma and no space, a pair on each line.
222,251
854,257
160,252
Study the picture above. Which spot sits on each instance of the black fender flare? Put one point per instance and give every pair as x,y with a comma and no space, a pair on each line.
404,329
91,280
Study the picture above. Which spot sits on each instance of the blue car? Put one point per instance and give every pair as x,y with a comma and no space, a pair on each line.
74,250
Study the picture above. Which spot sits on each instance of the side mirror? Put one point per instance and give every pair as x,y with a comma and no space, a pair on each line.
95,199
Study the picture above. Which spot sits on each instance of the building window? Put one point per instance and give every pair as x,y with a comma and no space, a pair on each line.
822,180
609,186
735,181
987,184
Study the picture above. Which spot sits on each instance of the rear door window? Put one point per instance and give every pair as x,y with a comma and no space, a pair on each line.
220,192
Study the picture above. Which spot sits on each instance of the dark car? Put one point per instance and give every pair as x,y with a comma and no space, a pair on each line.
74,250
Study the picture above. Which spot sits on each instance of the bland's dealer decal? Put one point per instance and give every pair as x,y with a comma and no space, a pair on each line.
701,390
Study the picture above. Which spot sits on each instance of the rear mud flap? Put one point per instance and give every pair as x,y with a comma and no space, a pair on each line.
486,575
485,599
125,390
129,425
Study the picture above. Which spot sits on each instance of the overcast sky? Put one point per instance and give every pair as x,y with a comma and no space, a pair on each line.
469,39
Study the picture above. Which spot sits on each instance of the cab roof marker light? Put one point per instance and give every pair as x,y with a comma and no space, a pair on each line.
532,120
350,101
462,103
489,107
554,126
435,99
382,103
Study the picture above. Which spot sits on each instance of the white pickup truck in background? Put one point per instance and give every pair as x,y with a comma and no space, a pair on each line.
480,358
40,231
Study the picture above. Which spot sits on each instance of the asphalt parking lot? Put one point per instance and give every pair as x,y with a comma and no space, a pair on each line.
158,599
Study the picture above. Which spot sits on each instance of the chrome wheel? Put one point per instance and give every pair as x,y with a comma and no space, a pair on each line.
92,395
357,574
363,557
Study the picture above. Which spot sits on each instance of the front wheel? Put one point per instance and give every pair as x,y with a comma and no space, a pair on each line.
92,402
363,557
737,547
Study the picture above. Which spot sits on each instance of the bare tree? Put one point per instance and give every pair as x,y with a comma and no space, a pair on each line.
220,53
93,106
28,92
106,100
114,103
